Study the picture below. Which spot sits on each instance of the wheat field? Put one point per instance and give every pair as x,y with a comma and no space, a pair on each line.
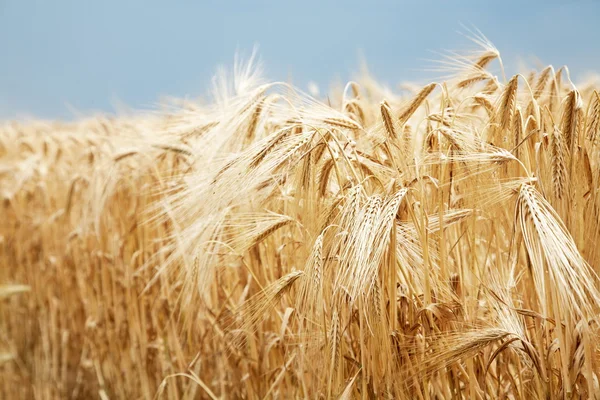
439,242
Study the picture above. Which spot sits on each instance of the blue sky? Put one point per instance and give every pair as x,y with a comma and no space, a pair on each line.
59,58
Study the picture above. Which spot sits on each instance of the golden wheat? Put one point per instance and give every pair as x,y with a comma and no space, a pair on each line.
438,245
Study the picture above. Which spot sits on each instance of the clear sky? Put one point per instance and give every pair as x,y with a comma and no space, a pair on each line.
59,56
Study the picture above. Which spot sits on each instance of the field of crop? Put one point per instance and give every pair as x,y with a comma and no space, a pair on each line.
438,243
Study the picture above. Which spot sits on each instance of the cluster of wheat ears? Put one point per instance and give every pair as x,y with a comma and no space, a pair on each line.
439,244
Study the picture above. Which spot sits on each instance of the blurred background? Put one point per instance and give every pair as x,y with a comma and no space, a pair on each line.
61,59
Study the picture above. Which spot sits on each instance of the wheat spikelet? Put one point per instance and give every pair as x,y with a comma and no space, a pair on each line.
486,58
559,163
324,176
542,81
356,111
268,230
506,108
310,293
455,348
517,126
593,118
254,309
275,140
491,87
386,115
342,123
416,102
334,336
475,77
376,298
570,119
485,102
